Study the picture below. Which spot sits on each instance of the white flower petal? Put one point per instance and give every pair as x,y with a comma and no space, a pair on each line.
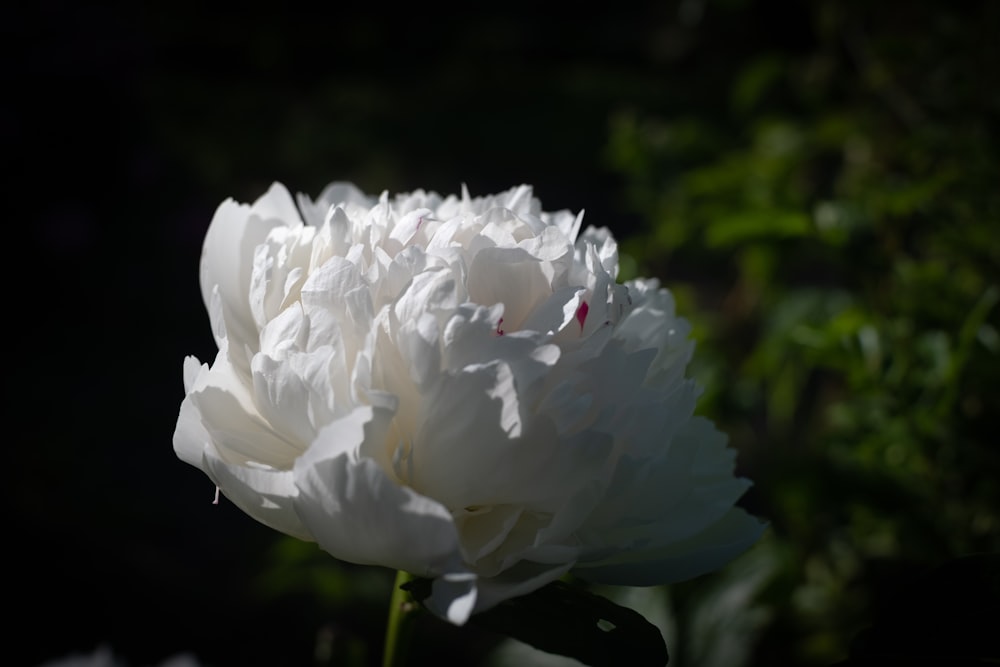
265,494
672,497
453,597
190,437
358,514
338,192
227,256
192,371
709,550
484,529
463,450
510,276
557,313
237,433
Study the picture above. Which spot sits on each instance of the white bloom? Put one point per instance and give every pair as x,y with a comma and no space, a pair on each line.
458,388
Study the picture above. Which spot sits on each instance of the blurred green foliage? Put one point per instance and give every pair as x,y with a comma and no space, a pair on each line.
832,230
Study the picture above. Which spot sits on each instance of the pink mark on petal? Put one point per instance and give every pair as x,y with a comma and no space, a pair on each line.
216,501
499,330
581,313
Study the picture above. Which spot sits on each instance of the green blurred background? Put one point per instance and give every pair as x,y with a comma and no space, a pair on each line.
818,182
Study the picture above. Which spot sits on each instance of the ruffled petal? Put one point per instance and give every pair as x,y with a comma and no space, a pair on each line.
469,449
358,514
266,494
670,498
228,254
190,437
510,276
709,550
237,432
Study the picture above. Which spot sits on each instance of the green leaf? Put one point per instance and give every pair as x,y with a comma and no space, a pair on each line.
567,620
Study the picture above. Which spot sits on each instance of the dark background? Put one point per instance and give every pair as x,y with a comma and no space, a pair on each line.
123,129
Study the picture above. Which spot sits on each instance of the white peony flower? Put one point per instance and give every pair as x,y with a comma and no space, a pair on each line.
458,388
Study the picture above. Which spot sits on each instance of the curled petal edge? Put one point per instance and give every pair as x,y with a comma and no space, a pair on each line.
358,514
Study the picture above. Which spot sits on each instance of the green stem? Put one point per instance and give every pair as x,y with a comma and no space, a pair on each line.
402,613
